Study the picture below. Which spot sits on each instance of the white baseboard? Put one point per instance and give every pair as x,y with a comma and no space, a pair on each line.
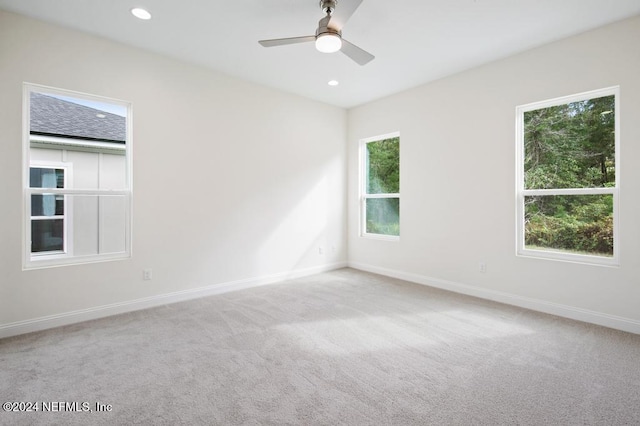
566,311
51,321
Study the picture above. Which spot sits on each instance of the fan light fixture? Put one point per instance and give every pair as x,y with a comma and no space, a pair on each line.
328,43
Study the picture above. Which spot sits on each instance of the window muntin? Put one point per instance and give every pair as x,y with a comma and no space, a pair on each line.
380,175
84,216
568,177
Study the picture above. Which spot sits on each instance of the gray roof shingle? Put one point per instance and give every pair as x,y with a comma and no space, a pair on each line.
56,117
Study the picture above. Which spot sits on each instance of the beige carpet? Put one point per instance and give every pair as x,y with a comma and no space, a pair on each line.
344,347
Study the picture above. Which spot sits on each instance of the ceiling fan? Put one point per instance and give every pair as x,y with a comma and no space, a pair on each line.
328,37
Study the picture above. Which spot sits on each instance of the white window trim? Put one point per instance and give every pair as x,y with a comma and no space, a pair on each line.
521,192
363,196
30,261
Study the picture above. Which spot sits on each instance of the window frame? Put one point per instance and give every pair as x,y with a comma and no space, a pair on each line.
521,192
37,260
364,196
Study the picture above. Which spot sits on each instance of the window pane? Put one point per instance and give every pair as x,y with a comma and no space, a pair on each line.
571,145
47,235
580,224
92,134
383,166
383,216
47,205
46,178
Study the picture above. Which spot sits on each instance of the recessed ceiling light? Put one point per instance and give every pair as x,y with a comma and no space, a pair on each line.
333,83
100,115
140,13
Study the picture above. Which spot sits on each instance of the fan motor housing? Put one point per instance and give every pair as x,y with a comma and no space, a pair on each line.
327,30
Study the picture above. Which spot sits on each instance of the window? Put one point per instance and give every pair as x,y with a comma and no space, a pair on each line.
568,177
380,186
48,221
77,178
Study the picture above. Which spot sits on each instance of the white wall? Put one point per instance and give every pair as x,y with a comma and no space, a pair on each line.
457,139
232,181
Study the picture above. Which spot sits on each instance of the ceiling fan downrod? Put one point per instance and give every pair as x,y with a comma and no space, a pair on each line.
328,6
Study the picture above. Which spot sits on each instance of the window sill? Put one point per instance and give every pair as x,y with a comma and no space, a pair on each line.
570,258
381,237
52,262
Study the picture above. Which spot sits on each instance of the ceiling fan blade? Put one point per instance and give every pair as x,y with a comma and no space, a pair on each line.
344,10
284,41
362,57
324,22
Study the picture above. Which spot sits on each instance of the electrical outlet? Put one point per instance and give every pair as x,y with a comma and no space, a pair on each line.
147,274
482,267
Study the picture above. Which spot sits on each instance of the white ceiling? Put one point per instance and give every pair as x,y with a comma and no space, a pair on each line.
414,41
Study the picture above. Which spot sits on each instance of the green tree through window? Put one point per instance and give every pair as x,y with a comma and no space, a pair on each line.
569,173
381,201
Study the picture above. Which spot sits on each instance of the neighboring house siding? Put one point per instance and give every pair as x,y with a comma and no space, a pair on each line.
92,170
